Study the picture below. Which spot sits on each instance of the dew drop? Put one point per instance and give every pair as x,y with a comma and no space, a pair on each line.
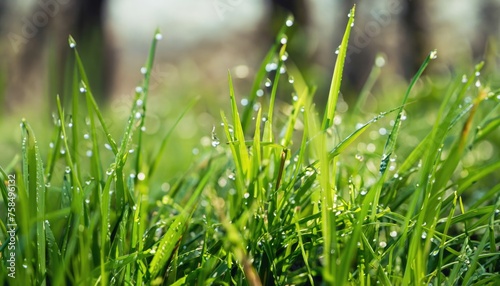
83,90
138,89
244,101
260,93
158,36
393,233
433,55
88,153
51,145
138,115
284,57
271,67
380,61
107,146
291,79
141,176
478,83
67,170
215,139
464,78
246,195
424,235
284,40
144,70
268,83
139,102
289,21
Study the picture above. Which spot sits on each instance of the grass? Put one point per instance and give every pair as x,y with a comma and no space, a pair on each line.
279,198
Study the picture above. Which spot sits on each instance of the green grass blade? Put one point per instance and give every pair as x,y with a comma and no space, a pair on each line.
89,96
337,74
34,173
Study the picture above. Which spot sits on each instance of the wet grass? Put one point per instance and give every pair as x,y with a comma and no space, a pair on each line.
278,197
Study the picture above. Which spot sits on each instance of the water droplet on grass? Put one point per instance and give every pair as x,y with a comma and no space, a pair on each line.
289,21
138,89
244,101
464,78
268,83
88,153
424,235
107,146
284,57
67,170
291,79
83,90
158,36
141,176
215,139
51,145
284,40
271,67
260,93
393,233
246,195
433,55
380,61
478,83
144,70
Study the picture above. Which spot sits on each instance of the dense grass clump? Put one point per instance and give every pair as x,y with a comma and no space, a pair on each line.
281,197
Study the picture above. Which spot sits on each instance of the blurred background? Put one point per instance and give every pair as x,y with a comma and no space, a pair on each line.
203,39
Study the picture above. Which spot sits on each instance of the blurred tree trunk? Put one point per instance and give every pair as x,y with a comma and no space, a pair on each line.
417,48
83,19
279,11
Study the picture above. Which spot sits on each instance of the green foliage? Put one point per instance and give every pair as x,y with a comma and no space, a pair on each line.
283,199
